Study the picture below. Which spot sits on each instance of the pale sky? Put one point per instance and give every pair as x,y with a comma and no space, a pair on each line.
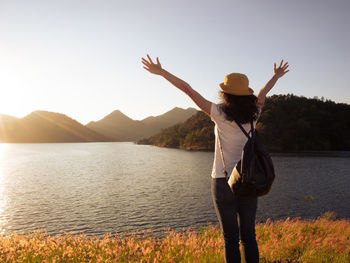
83,58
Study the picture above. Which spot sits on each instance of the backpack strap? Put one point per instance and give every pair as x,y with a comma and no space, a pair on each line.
252,129
244,131
222,156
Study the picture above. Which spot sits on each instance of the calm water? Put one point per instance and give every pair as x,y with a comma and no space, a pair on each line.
97,188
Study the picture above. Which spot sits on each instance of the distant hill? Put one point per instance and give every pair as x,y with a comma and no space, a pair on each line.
119,127
169,118
44,126
288,123
292,123
196,133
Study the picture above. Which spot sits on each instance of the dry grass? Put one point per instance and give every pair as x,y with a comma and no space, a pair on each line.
293,240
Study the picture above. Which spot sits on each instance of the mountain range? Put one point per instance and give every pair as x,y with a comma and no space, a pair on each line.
45,127
120,127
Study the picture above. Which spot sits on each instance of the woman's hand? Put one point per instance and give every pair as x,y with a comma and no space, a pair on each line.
281,70
201,102
151,67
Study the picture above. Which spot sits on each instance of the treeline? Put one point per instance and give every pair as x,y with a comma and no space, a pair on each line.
291,123
196,133
288,123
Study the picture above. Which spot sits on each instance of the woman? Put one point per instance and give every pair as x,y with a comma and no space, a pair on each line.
236,214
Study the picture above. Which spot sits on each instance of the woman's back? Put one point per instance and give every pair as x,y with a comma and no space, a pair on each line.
232,141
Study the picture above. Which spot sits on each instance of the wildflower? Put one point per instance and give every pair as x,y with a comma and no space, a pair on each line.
300,239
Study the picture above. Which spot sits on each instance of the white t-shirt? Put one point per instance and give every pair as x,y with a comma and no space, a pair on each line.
232,141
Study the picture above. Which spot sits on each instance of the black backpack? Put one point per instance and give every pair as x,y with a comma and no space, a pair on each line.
254,174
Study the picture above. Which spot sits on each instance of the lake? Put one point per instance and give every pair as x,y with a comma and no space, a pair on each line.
98,188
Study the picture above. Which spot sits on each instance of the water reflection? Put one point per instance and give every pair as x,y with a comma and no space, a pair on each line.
97,188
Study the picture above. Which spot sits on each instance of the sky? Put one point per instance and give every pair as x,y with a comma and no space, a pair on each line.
82,58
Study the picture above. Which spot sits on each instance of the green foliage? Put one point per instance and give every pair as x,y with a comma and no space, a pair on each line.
196,133
288,123
291,123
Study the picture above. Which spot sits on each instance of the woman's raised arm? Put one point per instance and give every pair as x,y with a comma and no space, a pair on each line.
157,69
278,72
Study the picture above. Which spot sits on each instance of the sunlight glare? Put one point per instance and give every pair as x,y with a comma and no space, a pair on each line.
3,148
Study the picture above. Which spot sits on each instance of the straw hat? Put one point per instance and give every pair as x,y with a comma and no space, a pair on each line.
236,84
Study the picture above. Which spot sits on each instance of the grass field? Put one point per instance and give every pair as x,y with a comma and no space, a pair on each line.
324,239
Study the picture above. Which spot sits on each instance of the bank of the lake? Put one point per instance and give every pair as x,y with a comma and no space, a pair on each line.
283,154
292,240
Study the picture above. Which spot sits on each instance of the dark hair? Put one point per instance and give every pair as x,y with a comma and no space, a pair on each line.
242,109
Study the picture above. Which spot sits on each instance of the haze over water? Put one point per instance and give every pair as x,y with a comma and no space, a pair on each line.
97,188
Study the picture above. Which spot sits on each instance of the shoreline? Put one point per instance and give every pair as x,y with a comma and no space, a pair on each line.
329,215
313,154
272,153
325,239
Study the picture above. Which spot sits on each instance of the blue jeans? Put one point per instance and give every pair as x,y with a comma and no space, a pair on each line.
237,221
